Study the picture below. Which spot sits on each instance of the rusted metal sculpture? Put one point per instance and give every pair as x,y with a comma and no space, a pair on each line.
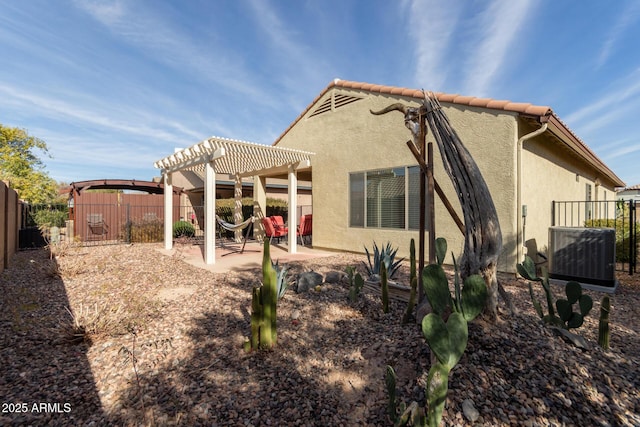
483,238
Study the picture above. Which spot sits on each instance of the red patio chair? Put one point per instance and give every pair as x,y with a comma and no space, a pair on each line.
270,231
305,228
278,224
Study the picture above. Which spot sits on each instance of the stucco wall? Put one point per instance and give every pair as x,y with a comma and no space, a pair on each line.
350,139
552,173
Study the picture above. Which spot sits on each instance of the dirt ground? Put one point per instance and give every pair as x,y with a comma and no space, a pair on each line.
162,344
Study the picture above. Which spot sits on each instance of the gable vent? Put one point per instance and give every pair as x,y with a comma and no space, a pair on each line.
336,101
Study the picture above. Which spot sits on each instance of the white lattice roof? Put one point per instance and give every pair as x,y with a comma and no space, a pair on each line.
232,157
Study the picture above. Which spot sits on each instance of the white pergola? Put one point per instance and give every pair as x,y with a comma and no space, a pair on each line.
239,159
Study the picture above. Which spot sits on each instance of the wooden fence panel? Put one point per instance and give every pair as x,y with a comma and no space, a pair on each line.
8,224
3,225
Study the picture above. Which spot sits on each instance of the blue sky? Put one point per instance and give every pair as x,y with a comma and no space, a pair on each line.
112,86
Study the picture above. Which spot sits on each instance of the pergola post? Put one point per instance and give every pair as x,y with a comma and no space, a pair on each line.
237,206
168,211
293,210
259,205
209,214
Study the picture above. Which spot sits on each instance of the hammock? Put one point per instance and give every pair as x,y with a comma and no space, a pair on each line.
236,227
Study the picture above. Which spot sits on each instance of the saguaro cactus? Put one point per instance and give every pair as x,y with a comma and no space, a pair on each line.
413,281
603,325
263,306
385,288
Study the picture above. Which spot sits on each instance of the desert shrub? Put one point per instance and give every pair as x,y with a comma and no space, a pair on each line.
183,229
147,231
89,322
623,234
50,218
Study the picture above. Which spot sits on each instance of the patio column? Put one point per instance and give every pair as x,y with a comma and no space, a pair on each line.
209,214
259,205
168,211
237,206
293,210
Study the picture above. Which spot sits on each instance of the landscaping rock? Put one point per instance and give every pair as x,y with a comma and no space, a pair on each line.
422,310
308,280
469,410
334,276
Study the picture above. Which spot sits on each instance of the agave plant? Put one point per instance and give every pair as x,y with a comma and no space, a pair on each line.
282,279
386,255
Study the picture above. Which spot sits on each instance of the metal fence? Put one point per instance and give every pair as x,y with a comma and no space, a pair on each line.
620,215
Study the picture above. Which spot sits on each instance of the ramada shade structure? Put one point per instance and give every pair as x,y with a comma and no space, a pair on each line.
239,159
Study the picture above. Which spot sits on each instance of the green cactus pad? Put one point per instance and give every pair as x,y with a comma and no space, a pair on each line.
473,297
575,321
437,388
586,304
573,291
447,341
564,309
528,270
441,249
436,288
536,303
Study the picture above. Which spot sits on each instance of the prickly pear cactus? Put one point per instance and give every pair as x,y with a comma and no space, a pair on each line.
570,318
436,288
528,270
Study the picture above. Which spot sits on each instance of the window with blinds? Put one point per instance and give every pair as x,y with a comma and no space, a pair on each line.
385,198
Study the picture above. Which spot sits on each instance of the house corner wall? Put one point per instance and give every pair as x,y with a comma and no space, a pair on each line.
350,139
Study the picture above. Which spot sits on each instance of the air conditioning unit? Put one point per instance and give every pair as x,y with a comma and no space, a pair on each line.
585,255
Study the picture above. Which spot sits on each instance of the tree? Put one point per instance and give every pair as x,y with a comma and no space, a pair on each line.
21,166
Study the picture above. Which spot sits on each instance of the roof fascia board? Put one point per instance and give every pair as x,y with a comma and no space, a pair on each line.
557,128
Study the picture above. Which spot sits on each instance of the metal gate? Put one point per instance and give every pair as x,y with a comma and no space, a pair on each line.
620,215
36,221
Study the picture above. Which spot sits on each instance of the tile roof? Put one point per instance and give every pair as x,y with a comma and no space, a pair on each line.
543,114
633,187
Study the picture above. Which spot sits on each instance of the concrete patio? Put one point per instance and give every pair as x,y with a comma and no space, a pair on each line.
228,257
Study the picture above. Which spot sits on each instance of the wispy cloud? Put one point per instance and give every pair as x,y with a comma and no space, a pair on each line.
499,26
431,26
159,38
295,63
627,149
87,114
109,12
611,103
629,15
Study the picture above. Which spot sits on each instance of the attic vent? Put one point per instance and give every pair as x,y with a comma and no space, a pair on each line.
342,100
336,101
322,108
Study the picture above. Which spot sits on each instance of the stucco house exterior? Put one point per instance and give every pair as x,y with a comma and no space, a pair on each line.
365,179
630,193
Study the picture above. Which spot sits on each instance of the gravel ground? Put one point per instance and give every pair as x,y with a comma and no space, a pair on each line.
173,354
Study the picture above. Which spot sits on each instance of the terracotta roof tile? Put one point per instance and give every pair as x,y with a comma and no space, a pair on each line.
544,113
